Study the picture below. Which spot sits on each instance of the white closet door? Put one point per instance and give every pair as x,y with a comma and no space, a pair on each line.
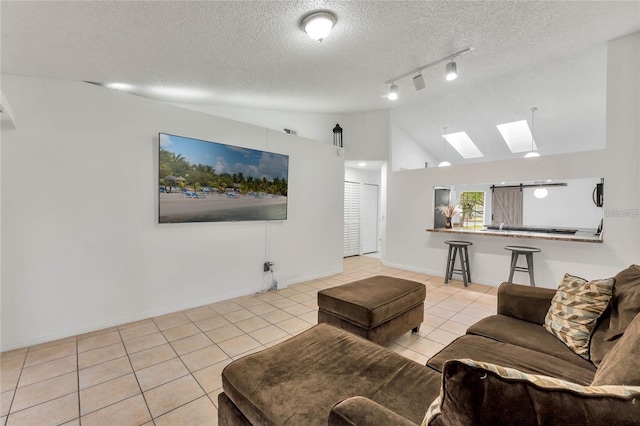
351,219
369,218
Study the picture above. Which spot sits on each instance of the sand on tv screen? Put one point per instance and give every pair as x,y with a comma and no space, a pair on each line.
202,181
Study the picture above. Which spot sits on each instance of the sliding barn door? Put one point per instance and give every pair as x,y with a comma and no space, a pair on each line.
506,205
351,219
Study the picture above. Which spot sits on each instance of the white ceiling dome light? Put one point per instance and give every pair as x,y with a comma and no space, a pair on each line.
318,25
540,192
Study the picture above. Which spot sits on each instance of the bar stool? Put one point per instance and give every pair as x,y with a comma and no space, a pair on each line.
465,271
526,251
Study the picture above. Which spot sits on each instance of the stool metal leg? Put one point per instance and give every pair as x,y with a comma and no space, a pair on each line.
468,268
463,265
453,262
532,282
449,266
514,262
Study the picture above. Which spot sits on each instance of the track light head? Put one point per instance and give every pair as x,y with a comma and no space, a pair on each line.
393,92
418,82
451,71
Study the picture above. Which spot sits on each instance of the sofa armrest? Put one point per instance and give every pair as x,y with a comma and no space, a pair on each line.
524,302
359,410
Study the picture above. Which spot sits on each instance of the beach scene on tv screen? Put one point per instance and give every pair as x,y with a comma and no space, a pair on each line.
202,181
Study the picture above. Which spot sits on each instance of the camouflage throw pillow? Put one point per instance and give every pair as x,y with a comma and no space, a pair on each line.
575,309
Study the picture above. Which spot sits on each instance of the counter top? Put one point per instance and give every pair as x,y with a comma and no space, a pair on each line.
580,236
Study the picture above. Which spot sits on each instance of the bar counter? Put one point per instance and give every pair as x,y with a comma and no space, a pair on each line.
582,236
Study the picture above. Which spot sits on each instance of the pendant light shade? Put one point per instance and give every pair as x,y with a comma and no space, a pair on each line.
393,92
540,192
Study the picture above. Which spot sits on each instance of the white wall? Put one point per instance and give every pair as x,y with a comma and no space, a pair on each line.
409,203
371,177
366,135
310,125
406,153
82,248
568,206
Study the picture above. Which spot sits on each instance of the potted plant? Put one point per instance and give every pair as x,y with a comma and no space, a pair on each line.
448,211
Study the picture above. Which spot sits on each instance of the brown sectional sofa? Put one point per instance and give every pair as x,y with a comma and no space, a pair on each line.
329,376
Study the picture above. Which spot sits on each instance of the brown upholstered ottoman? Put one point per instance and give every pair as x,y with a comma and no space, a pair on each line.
379,308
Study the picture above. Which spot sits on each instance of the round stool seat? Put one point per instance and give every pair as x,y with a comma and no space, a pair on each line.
523,249
465,270
528,253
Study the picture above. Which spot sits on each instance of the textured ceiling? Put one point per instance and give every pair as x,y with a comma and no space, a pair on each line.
546,54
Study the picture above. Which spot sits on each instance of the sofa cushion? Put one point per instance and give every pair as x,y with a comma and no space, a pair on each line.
625,306
372,301
358,410
299,380
620,365
527,360
527,335
475,393
575,309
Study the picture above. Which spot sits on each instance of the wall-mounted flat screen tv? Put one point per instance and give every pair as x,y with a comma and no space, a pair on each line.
202,181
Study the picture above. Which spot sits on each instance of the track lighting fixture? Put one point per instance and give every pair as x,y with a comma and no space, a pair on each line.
532,153
393,92
418,82
451,71
418,79
444,163
318,25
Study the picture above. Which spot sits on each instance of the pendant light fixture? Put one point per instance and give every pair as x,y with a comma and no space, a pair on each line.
318,25
393,92
532,153
444,162
451,71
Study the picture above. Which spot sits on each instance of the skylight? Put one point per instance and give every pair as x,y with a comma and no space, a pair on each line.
517,136
463,144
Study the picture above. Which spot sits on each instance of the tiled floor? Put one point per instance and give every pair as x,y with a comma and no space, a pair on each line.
166,370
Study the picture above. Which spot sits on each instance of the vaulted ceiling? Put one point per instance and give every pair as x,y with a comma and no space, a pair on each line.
551,55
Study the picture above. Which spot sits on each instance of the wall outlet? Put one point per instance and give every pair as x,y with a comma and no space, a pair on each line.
267,266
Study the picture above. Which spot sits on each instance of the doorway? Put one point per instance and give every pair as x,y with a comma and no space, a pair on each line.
360,218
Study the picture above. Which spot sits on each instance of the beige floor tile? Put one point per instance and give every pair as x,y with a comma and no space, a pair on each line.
13,362
96,333
248,301
5,402
262,308
297,309
224,333
165,322
433,321
415,356
190,344
9,380
142,329
268,334
225,307
311,317
100,355
283,303
50,353
424,330
161,373
199,314
135,324
210,378
276,316
94,342
198,412
293,325
275,342
427,347
238,345
287,292
442,336
252,324
107,393
54,412
45,345
465,319
270,296
104,372
407,339
451,305
202,358
440,312
302,297
240,315
152,356
172,395
249,352
48,370
14,352
313,303
74,422
181,332
129,412
211,323
144,342
46,390
454,327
